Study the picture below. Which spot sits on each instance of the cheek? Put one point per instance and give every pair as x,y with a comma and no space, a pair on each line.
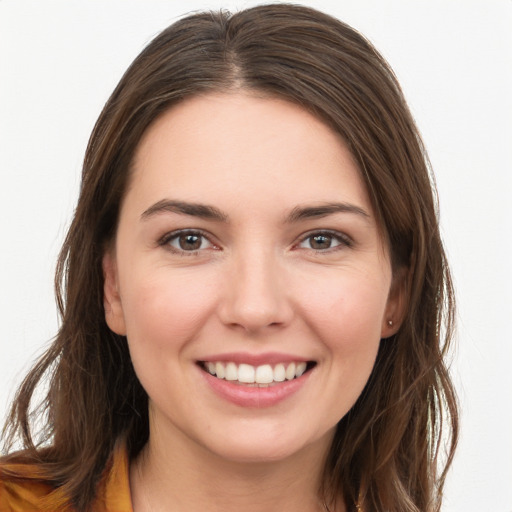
163,316
163,313
347,314
344,314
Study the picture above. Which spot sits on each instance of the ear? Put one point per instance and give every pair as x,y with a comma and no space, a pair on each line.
114,315
396,304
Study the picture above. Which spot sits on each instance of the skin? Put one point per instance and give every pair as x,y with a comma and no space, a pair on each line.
257,284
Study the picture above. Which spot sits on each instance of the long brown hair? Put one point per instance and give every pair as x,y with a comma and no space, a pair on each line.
386,451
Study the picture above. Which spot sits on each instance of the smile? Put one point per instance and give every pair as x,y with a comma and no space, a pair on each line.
264,375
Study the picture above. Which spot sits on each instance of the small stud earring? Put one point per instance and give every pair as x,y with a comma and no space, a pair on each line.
390,323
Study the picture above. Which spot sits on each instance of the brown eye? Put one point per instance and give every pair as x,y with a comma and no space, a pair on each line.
320,242
187,241
324,241
190,242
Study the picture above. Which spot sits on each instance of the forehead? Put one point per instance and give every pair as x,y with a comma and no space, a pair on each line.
240,145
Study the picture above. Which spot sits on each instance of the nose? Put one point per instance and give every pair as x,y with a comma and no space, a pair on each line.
255,295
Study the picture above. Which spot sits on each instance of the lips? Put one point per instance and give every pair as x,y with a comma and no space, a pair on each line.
249,384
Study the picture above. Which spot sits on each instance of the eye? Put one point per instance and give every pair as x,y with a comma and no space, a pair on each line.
322,241
186,241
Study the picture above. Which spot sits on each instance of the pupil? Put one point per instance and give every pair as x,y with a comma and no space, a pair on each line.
320,242
190,242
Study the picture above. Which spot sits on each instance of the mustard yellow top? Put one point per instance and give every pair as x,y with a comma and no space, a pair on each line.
33,496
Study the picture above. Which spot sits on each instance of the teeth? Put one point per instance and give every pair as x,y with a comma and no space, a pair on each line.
246,373
279,373
300,369
220,370
290,371
231,371
264,374
261,375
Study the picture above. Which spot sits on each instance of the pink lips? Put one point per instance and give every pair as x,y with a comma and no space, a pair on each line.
254,396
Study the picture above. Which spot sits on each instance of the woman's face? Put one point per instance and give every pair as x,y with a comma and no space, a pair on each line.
247,251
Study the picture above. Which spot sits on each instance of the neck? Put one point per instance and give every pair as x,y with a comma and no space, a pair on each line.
173,474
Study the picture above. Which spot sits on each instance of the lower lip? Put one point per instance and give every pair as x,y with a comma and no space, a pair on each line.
253,396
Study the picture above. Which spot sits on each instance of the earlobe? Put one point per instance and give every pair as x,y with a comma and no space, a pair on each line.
396,304
114,315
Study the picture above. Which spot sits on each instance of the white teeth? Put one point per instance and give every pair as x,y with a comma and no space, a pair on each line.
219,370
301,368
231,371
290,371
246,373
279,373
262,375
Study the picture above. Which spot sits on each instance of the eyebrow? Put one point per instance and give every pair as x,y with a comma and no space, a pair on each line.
208,212
310,212
194,209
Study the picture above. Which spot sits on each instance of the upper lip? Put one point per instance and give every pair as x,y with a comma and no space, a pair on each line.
254,359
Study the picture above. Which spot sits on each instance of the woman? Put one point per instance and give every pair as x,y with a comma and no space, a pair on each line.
253,288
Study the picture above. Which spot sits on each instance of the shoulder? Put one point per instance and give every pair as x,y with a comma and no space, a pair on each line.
23,488
25,492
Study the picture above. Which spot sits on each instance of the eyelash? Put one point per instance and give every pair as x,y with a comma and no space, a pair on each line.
343,241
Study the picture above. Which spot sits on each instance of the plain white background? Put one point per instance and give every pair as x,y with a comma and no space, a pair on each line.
59,61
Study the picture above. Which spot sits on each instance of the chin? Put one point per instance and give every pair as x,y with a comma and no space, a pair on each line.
257,446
